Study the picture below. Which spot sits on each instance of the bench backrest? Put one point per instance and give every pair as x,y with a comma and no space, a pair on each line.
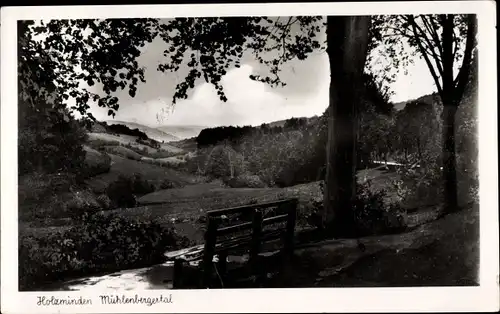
249,226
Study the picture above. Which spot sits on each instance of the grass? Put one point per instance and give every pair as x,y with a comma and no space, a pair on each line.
123,166
123,152
131,140
168,161
185,205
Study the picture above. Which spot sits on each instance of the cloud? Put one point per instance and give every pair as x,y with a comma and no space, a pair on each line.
249,102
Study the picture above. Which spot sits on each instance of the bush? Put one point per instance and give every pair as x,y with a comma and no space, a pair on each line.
372,215
96,163
35,187
123,151
101,243
419,186
123,191
100,144
224,161
50,140
244,181
104,201
79,203
166,184
53,196
310,213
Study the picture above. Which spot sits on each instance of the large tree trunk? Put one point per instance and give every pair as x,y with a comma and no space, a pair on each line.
347,40
449,159
450,96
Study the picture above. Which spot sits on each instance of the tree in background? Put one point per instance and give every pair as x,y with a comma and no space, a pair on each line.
416,127
446,42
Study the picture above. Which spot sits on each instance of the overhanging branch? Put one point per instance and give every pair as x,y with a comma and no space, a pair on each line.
463,75
432,28
426,58
423,35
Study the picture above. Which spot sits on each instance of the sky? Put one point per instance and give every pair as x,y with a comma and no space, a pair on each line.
249,102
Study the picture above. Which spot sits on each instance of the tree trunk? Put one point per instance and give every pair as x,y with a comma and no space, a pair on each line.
347,40
419,150
449,159
231,168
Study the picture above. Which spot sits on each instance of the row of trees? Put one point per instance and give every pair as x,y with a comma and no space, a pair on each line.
234,134
107,51
123,129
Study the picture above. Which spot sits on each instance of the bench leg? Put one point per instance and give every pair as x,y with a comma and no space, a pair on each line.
208,253
222,267
177,280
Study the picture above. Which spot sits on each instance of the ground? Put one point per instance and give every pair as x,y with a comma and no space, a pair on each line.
444,252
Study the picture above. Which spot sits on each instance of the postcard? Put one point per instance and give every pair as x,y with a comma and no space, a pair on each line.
236,158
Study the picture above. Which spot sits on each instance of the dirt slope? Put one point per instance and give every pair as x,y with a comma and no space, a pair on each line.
444,252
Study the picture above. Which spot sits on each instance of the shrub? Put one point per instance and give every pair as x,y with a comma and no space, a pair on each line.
100,144
101,243
161,153
419,186
372,215
50,140
104,201
53,196
79,203
96,163
123,191
244,181
35,187
123,151
224,161
166,184
310,213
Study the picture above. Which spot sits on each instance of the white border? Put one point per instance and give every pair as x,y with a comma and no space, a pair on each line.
483,298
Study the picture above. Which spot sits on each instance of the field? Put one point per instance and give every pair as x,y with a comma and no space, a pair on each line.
125,166
131,140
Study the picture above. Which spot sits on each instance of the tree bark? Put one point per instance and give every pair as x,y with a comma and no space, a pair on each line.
449,159
419,149
347,40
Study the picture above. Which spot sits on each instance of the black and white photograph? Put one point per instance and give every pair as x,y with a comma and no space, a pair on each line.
157,152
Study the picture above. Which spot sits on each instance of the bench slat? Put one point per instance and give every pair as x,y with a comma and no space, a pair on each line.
245,240
248,225
249,242
244,208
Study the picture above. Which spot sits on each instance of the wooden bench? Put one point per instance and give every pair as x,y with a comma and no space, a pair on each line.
239,230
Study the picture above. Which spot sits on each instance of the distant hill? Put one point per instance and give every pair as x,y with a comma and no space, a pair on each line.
182,131
428,99
152,133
